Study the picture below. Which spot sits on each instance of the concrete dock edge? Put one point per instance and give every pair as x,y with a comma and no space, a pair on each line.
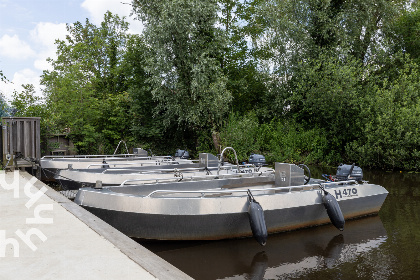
152,263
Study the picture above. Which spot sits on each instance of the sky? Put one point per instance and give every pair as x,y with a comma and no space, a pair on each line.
29,28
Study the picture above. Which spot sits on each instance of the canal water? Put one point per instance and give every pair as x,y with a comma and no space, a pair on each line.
384,246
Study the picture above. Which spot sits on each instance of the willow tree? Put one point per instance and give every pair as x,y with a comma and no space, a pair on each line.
184,62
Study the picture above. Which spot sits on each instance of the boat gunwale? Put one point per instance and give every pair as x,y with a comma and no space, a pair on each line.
259,191
313,186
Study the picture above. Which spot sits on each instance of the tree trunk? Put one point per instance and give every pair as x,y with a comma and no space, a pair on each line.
216,141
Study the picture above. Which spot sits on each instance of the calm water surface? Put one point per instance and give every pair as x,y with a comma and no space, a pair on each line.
386,246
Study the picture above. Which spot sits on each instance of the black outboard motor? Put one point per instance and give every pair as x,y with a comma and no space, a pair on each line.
257,160
184,154
345,172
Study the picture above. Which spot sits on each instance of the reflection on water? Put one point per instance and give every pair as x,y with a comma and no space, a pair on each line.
258,266
286,255
376,247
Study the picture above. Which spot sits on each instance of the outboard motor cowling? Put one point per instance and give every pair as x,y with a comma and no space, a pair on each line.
343,173
257,159
184,154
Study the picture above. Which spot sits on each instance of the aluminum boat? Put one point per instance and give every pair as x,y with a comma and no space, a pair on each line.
215,207
52,164
73,179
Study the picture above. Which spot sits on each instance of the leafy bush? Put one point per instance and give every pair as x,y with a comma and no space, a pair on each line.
391,137
277,140
289,142
242,134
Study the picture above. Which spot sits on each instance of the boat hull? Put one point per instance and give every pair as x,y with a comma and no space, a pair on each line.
220,217
73,179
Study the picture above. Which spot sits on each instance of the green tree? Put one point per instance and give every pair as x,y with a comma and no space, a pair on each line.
184,63
243,26
3,105
390,138
85,91
406,30
328,95
148,130
299,30
27,103
4,108
2,77
322,53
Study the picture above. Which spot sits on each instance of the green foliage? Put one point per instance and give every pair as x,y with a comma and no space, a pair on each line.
27,104
241,133
290,142
406,30
302,30
299,81
86,90
391,136
184,64
2,77
4,108
328,94
145,127
205,143
277,140
243,26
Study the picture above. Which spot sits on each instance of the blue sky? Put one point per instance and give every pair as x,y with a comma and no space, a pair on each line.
28,29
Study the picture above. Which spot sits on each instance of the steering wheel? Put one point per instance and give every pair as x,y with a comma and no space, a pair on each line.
307,177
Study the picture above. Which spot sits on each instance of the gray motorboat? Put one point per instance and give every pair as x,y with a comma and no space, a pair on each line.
73,179
52,164
221,207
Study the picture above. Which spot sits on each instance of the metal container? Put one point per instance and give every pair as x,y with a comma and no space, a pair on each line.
288,175
21,141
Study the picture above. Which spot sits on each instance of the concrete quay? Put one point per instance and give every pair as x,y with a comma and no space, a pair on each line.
43,235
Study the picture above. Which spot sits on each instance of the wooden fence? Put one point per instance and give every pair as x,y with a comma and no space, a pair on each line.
20,136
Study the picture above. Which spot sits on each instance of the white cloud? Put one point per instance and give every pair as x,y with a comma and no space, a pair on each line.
34,49
42,39
97,9
44,35
13,47
25,76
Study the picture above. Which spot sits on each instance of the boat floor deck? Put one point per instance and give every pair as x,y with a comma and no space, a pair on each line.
46,236
210,188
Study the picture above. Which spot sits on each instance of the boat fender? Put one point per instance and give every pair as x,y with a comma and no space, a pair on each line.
333,209
257,220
